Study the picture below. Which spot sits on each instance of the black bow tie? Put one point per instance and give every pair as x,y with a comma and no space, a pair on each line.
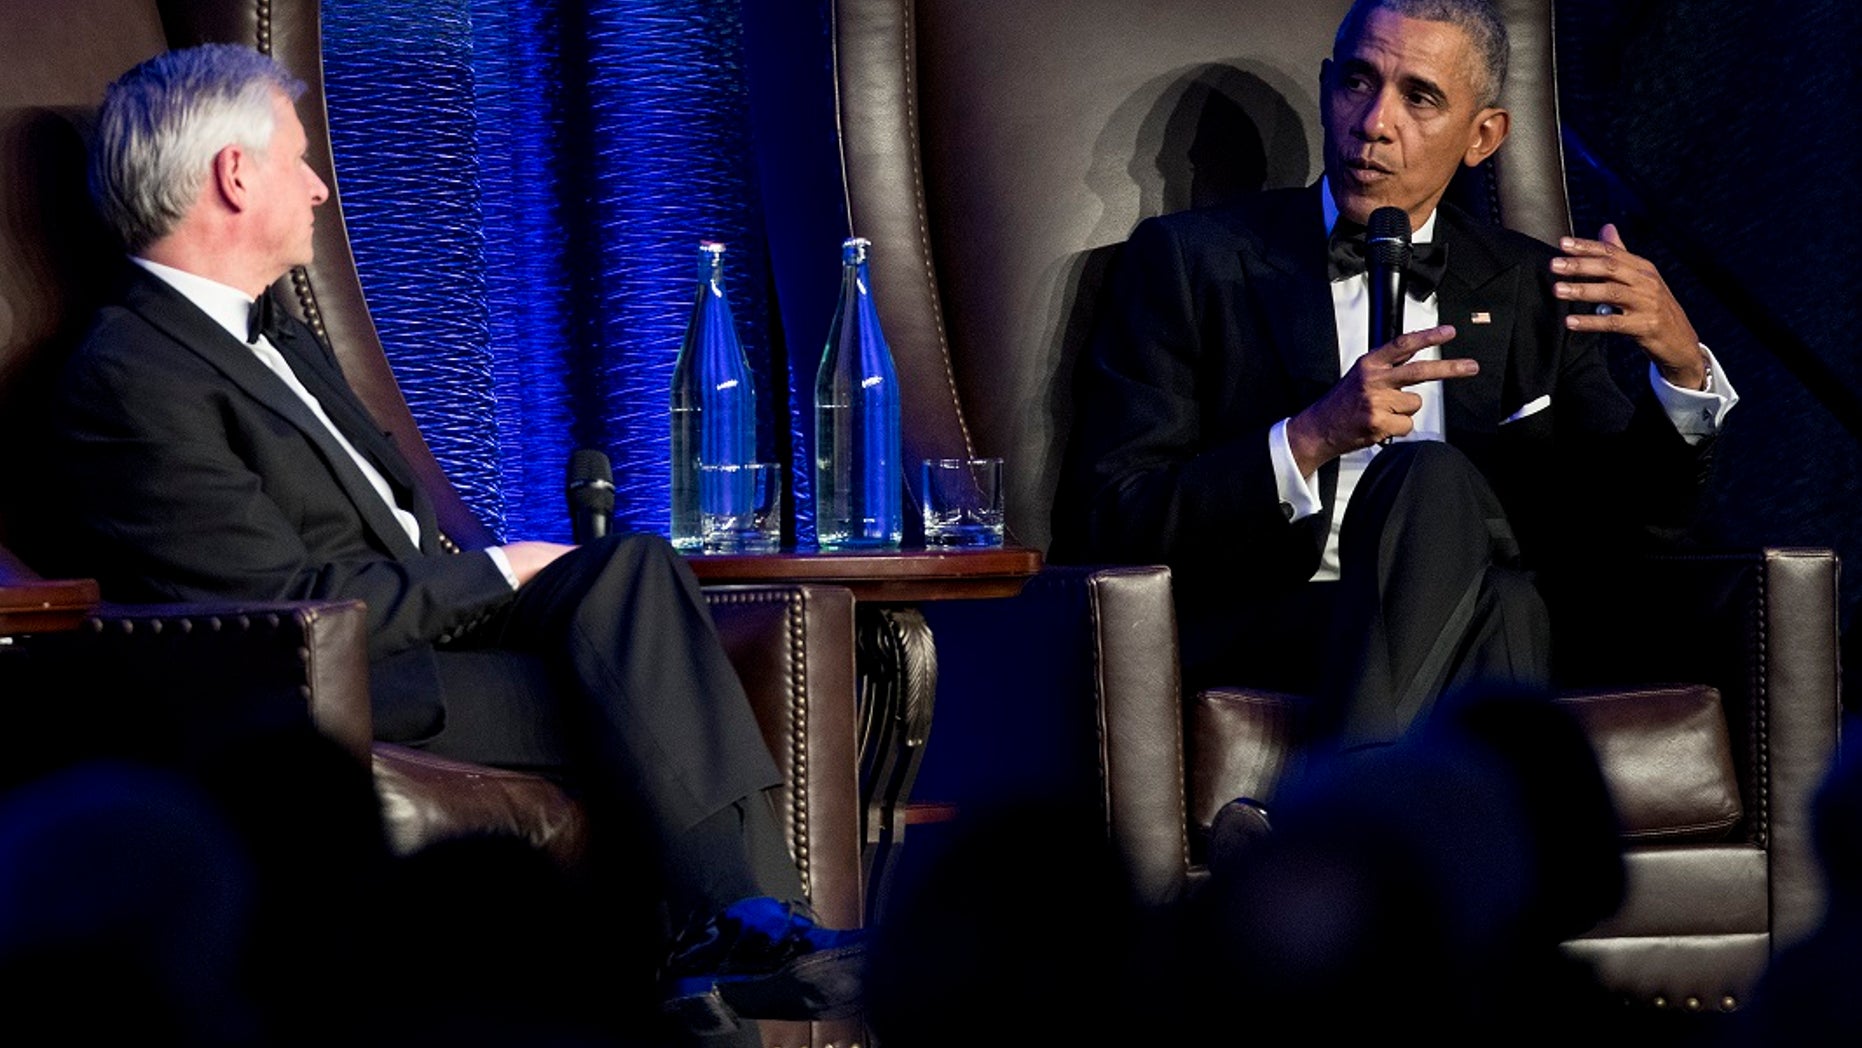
1423,274
266,317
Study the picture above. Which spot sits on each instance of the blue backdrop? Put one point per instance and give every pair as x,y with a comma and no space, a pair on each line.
526,182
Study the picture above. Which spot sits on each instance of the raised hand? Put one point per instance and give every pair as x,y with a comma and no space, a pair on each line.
1605,273
1372,401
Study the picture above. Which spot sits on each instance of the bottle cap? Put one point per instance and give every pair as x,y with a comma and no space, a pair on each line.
711,264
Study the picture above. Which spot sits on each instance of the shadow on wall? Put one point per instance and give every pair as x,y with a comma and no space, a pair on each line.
58,262
1198,137
1226,133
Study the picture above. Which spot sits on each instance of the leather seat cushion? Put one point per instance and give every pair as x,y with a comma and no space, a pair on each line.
1665,753
427,798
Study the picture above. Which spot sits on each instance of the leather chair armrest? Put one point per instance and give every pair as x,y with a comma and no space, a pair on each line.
793,649
181,679
1761,626
1241,743
1069,690
1666,758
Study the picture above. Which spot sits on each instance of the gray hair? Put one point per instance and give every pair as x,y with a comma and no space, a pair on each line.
1477,18
164,121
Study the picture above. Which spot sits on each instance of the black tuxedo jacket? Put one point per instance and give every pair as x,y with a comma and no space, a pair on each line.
191,472
1219,323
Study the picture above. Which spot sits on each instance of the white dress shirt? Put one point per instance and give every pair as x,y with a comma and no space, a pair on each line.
1696,414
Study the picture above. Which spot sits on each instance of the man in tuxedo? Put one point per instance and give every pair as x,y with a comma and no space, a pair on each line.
214,450
1364,522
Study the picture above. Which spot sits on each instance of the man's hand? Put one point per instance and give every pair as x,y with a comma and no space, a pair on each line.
1371,402
1641,306
528,558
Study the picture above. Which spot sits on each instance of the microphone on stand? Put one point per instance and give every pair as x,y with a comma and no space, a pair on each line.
1386,250
591,494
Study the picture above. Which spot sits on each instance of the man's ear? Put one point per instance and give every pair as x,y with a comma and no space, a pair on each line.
232,168
1490,128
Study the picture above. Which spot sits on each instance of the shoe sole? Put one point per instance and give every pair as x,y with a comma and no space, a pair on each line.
700,1009
822,985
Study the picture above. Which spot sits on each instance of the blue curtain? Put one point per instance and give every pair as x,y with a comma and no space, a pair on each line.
526,182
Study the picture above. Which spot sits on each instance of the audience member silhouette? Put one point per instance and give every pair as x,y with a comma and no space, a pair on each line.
1426,883
127,902
1076,970
1809,993
250,899
539,961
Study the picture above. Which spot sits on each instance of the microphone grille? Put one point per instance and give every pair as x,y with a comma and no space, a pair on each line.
591,478
1386,236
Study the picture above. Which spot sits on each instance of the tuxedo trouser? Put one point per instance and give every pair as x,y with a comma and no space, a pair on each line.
1431,599
606,670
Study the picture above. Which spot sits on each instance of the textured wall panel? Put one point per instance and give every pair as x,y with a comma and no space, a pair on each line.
663,132
399,81
517,67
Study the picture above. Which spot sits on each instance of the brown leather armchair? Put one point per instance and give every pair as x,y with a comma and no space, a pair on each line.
996,155
792,644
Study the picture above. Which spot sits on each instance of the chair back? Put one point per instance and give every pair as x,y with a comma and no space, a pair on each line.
57,260
997,153
55,256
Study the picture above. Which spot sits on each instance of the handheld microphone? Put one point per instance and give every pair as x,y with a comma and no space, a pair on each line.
591,494
1386,250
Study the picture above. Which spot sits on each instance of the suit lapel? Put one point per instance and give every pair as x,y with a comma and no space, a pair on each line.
302,351
1294,293
317,369
1295,296
1480,296
169,311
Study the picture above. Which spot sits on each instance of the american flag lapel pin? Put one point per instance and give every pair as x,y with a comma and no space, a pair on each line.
1481,317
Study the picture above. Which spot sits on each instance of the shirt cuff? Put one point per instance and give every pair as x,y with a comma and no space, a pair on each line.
504,565
1297,498
1696,414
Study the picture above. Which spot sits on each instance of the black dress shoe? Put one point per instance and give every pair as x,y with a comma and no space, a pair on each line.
763,959
1238,826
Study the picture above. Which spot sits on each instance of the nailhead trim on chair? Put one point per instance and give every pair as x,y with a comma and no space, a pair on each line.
1760,697
307,298
186,623
909,57
1490,179
797,728
1727,1003
798,750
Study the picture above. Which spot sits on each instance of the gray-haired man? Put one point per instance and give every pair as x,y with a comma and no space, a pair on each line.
223,455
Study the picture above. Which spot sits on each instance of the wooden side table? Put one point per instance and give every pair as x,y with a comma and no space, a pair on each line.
895,659
33,605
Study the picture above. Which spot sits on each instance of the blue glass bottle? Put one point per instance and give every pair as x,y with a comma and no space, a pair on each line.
858,483
713,397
